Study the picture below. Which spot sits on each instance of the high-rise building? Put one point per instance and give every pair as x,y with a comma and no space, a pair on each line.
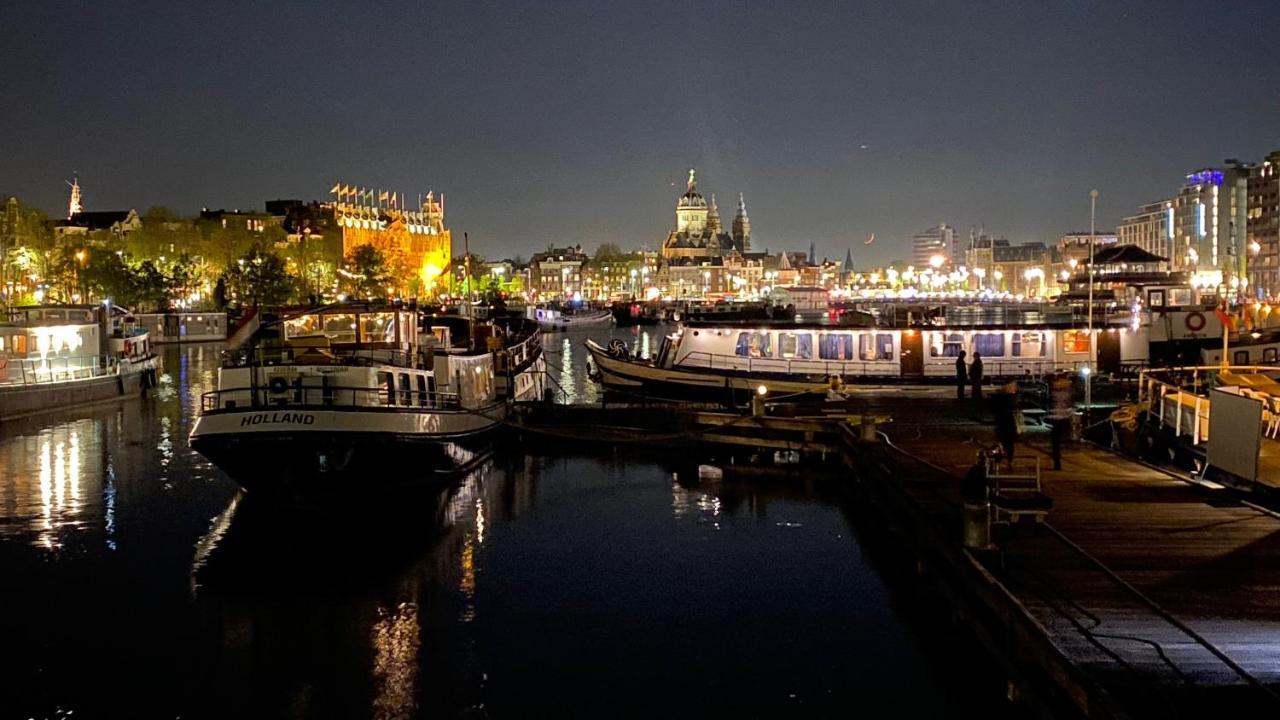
1210,214
1151,229
1263,228
940,240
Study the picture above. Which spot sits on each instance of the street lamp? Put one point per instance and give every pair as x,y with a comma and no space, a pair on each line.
1088,371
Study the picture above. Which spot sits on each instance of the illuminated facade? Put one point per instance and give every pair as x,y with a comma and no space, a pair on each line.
1150,229
1263,226
1209,219
699,233
417,245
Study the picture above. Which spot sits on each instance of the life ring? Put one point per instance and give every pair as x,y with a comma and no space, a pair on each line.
1195,321
278,385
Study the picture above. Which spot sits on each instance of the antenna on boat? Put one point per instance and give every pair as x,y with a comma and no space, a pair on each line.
466,264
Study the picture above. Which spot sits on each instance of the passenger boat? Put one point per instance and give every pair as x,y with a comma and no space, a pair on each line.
555,319
722,361
56,356
356,396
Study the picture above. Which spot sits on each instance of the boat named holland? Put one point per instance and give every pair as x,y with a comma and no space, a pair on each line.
356,396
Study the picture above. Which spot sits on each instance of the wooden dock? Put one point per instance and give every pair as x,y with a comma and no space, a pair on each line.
1142,595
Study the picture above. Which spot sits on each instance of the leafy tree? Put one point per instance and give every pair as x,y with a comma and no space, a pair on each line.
608,251
366,273
260,277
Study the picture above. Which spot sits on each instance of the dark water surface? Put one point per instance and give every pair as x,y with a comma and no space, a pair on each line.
136,581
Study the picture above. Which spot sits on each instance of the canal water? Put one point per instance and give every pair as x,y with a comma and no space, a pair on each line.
137,581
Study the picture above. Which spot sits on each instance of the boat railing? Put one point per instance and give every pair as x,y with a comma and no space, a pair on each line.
327,398
886,367
1178,398
287,355
36,371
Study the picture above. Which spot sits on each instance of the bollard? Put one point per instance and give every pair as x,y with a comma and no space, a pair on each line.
977,525
868,429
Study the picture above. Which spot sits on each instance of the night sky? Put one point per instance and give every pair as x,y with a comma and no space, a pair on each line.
576,122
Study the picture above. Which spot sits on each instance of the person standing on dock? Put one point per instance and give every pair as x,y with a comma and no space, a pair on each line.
1059,414
1006,407
962,376
975,375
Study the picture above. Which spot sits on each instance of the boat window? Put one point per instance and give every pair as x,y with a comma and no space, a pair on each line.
406,390
1028,344
946,345
1269,355
378,327
387,388
836,346
878,346
1179,297
795,345
989,344
1,343
422,390
340,328
20,344
1155,298
1240,357
305,325
1075,341
754,344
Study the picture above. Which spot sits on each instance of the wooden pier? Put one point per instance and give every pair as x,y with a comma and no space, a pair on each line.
1141,594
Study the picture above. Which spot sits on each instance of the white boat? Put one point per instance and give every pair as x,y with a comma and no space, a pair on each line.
555,320
56,356
357,396
727,361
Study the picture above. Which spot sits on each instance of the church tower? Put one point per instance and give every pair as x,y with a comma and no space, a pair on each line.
742,227
713,217
73,206
691,209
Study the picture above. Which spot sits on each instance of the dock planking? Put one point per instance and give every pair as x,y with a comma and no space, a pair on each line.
1132,566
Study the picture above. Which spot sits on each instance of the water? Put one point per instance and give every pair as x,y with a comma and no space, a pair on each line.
137,581
567,357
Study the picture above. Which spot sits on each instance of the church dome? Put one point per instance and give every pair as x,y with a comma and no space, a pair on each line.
691,197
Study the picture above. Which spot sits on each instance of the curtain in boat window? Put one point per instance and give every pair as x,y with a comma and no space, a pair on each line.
989,344
836,346
754,344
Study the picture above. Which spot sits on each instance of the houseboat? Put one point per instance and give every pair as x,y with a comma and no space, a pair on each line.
357,396
551,319
57,356
719,361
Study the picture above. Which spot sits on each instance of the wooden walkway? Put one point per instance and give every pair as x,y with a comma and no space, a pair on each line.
1142,580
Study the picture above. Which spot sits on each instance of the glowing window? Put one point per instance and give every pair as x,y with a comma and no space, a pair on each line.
1028,344
836,346
946,345
875,347
387,388
795,345
989,344
754,344
1075,341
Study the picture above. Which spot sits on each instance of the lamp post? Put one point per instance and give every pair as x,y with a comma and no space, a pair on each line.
1088,375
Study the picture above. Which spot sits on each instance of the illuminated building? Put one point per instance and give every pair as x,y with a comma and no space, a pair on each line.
699,233
74,207
1151,228
557,273
1263,227
940,240
416,243
1209,219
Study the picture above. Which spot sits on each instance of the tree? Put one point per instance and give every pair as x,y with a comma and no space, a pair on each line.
260,277
608,251
366,274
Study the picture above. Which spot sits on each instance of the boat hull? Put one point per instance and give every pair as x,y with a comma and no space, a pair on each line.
298,451
642,378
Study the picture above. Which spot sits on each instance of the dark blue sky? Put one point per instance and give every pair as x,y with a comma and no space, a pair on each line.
575,122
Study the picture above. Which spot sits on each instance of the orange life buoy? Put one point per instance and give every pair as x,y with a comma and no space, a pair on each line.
1195,321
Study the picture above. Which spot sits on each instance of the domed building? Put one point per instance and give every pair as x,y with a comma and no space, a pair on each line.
699,233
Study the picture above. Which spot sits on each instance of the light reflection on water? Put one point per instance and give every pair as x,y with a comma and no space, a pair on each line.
571,369
536,585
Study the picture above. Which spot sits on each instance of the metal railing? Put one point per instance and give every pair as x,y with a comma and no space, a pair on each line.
327,398
892,367
286,355
1178,397
55,370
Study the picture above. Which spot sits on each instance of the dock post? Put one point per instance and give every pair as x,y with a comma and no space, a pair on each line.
868,429
977,524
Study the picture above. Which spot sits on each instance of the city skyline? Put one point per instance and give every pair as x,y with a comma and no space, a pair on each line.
578,123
